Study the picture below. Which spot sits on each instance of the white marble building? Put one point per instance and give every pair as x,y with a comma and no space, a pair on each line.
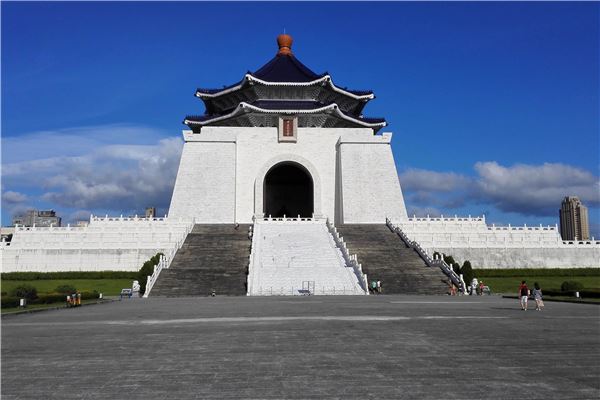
279,123
285,141
223,171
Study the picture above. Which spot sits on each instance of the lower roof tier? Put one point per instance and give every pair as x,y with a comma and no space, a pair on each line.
264,115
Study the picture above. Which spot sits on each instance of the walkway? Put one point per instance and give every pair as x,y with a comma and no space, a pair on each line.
344,347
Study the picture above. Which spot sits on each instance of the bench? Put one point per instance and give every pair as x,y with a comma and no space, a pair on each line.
126,292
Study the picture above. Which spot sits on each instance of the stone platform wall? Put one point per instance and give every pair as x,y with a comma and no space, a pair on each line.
116,244
222,171
485,246
574,257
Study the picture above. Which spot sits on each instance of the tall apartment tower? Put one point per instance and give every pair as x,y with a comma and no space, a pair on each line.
574,219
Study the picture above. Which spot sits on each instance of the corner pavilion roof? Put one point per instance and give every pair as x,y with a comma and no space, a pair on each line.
284,86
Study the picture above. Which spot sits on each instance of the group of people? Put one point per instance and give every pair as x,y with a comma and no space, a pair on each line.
478,288
375,287
524,294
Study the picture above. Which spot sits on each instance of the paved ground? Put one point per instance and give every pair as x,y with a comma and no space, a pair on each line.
384,347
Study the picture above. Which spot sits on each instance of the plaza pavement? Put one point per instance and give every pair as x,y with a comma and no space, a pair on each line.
385,347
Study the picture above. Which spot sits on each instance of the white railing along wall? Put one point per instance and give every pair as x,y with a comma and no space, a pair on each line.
431,262
297,291
253,252
473,232
165,261
351,260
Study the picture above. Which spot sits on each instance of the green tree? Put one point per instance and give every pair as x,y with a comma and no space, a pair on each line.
456,268
449,260
25,291
147,270
467,272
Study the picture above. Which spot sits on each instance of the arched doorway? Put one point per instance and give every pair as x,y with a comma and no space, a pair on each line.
288,190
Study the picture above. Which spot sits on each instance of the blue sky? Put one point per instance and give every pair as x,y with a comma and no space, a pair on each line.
483,98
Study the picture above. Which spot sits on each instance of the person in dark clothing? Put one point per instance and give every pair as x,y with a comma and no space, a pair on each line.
523,295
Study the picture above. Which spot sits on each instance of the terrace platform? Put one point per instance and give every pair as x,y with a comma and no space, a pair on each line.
327,347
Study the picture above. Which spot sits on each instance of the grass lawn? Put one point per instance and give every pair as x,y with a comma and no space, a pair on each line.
108,287
510,285
12,310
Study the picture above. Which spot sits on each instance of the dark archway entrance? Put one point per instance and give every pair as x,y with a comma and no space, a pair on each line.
288,190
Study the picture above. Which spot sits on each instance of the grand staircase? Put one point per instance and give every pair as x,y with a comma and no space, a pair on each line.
385,257
299,257
213,257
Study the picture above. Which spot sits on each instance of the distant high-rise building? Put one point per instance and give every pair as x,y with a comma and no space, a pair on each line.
37,218
574,219
150,212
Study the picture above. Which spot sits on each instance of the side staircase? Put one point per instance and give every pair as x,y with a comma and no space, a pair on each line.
386,257
294,257
213,257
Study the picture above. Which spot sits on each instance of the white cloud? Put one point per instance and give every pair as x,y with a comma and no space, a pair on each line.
78,215
118,177
70,142
413,210
10,197
425,180
525,189
535,189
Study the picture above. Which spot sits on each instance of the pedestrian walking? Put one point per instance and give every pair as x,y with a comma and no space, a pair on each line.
373,286
537,296
523,295
453,290
379,287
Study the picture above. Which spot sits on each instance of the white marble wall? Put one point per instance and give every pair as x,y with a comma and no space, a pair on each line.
350,166
565,257
205,184
489,246
116,244
370,189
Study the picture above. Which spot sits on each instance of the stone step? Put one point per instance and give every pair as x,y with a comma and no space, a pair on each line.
385,257
292,253
213,257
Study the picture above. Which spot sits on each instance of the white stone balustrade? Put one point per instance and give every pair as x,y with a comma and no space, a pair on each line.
121,244
431,262
351,260
500,246
165,262
471,232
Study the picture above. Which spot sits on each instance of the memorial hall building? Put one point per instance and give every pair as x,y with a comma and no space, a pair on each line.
286,141
287,187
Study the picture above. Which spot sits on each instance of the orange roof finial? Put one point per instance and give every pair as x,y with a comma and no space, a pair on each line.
284,42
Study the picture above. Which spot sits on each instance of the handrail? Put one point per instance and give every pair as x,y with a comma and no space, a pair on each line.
297,291
253,252
287,219
351,260
440,263
166,260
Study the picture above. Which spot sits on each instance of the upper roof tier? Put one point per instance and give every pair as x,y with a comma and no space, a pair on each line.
284,78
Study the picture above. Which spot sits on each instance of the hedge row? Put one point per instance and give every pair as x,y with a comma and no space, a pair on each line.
147,270
529,272
586,293
11,301
34,276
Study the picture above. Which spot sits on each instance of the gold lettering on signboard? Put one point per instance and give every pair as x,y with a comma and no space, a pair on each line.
288,127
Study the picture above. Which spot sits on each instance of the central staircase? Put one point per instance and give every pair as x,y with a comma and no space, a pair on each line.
213,257
299,257
384,256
